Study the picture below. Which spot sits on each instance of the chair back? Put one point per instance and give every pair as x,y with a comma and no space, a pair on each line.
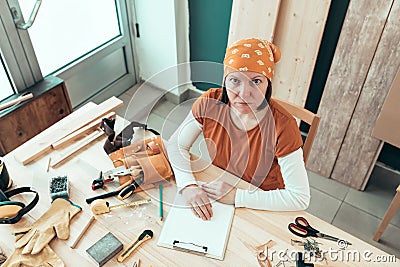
306,116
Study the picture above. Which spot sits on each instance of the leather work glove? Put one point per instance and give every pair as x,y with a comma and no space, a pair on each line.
46,257
53,222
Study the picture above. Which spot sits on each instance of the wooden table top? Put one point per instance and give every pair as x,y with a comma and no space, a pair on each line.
250,228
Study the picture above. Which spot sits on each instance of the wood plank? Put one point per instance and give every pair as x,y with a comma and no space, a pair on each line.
355,50
359,149
67,140
255,18
74,149
43,146
37,140
299,31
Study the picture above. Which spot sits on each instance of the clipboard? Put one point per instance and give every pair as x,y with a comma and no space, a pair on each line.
183,231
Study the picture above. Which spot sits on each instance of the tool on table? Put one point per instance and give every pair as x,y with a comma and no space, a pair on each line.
161,202
127,191
100,206
59,187
99,182
146,235
109,194
112,175
78,238
104,249
310,245
302,228
300,262
116,172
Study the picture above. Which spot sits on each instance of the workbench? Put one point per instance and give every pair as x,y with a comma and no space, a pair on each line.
250,228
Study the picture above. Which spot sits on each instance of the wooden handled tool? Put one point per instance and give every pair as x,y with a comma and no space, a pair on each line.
100,206
146,235
109,194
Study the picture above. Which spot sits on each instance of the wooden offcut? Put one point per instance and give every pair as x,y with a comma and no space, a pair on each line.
350,66
76,147
76,121
67,140
360,150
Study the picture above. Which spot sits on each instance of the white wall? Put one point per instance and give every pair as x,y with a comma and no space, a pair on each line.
156,48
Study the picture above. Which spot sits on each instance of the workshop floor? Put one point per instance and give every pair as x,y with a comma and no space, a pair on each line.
356,212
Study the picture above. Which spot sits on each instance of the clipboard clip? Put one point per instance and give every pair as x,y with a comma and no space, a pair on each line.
189,247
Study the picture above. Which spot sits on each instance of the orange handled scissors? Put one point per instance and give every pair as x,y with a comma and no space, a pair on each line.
302,228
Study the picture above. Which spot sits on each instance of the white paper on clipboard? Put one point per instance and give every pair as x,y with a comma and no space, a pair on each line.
182,230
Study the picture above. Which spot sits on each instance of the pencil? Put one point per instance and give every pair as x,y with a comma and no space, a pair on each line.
161,202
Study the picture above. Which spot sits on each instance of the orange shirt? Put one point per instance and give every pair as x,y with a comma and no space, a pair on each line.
251,155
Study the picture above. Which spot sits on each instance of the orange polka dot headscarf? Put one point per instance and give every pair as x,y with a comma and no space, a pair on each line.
252,55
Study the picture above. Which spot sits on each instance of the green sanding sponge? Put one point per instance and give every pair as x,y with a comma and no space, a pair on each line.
59,187
104,249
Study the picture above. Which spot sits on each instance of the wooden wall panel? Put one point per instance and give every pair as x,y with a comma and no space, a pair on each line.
355,50
359,149
298,34
255,18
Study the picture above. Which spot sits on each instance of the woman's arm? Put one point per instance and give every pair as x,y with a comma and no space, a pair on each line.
178,150
295,196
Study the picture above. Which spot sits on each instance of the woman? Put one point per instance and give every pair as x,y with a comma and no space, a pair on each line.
247,134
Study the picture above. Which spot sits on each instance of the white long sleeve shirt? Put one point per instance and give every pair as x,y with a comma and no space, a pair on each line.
295,195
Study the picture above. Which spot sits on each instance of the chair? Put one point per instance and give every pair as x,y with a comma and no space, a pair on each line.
391,211
305,116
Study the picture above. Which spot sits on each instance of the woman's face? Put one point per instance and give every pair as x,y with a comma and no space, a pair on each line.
246,90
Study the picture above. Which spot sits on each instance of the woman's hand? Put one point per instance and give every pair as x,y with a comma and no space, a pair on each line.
220,191
198,200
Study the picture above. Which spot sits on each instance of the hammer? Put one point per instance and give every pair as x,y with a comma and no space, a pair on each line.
109,194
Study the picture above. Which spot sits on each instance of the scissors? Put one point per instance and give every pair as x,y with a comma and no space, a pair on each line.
302,228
